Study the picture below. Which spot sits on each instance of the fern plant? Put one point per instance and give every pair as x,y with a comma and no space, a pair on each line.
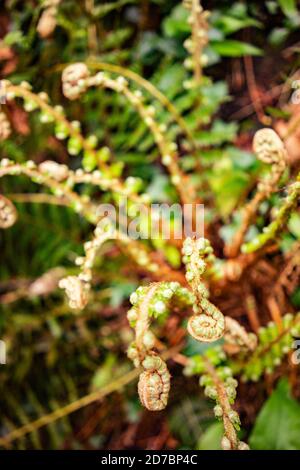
152,146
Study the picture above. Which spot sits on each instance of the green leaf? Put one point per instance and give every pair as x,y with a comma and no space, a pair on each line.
277,113
289,7
173,256
103,10
227,185
278,36
219,133
116,38
194,347
278,424
233,48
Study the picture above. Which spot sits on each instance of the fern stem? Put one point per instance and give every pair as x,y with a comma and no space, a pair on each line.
86,400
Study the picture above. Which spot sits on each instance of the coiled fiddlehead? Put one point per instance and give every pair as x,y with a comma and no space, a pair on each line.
208,322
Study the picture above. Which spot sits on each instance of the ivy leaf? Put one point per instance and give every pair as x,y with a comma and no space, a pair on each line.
233,48
278,424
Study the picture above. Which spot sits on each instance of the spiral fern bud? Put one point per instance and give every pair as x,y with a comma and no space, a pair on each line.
270,149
